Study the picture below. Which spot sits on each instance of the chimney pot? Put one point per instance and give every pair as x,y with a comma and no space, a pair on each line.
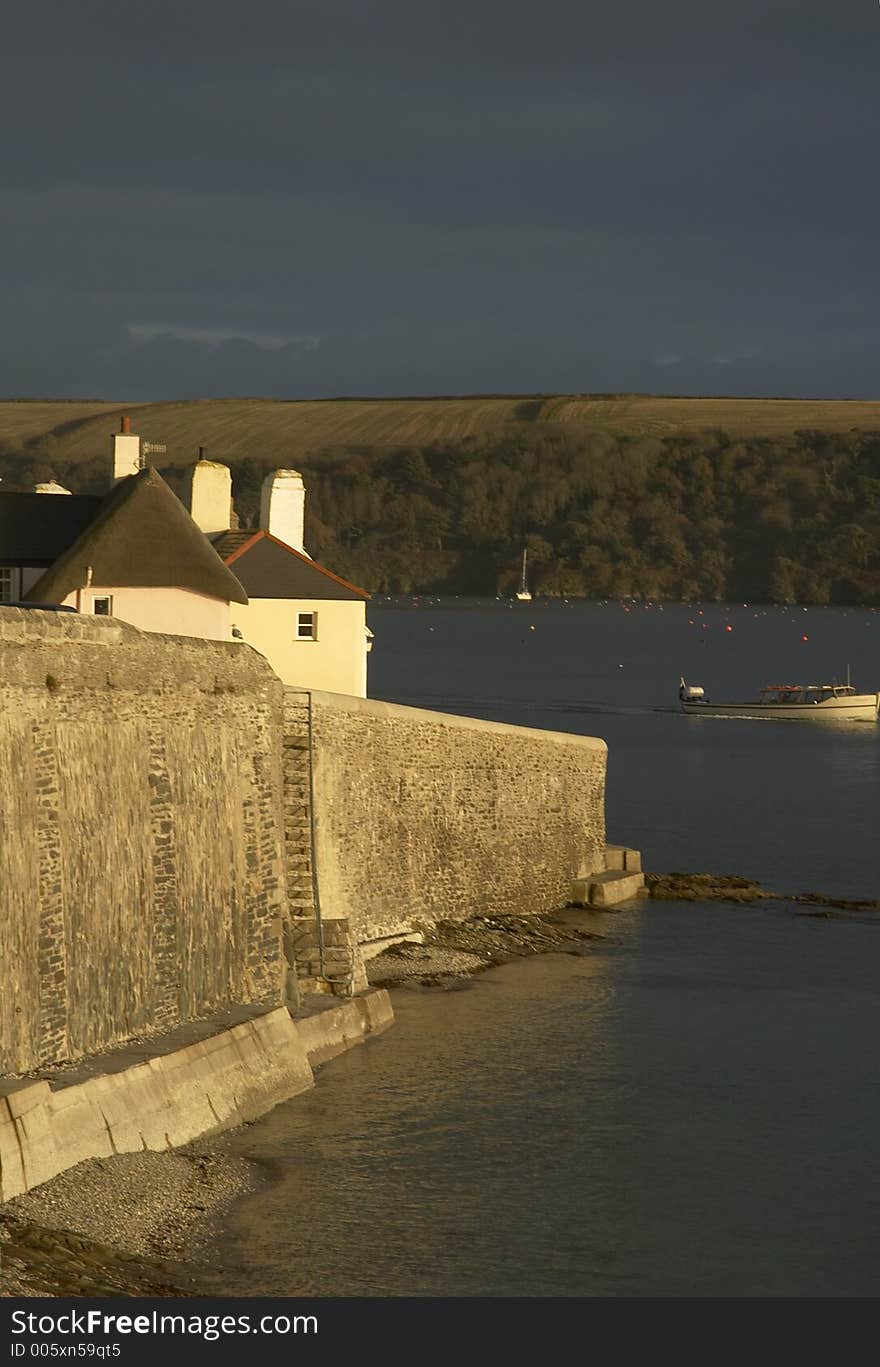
125,425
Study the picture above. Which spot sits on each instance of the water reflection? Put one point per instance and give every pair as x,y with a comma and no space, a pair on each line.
425,1161
687,1110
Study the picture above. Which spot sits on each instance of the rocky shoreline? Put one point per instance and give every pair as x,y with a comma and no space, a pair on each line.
131,1225
135,1224
711,887
453,951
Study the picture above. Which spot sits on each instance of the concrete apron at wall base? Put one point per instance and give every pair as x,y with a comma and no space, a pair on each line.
172,1098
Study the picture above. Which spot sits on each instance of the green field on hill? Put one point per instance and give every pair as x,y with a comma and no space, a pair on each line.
612,495
277,432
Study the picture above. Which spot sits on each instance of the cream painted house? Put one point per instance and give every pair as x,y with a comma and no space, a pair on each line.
175,565
308,622
135,554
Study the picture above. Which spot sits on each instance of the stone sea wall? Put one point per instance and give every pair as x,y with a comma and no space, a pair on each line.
180,834
197,1081
141,816
398,816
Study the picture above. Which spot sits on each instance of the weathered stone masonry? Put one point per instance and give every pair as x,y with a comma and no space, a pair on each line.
141,834
419,816
320,945
179,834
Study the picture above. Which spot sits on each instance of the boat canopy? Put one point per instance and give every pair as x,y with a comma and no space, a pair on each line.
791,693
839,690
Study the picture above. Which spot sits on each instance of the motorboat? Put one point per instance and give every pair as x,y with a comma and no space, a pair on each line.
787,702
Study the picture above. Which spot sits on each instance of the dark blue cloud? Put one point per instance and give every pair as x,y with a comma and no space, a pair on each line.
492,196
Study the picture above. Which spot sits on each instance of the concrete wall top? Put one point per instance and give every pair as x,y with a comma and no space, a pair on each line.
372,707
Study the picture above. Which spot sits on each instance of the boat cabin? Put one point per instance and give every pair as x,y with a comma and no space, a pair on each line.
801,693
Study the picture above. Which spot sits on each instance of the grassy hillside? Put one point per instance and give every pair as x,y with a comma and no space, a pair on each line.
614,496
277,433
26,420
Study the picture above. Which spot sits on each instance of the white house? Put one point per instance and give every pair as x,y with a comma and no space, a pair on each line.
162,564
308,622
135,554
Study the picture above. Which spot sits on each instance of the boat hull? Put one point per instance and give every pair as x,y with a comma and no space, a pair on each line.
861,707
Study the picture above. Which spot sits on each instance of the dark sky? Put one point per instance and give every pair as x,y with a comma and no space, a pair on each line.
389,197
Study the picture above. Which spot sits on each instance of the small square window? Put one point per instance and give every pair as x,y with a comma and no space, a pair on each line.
306,626
103,607
7,584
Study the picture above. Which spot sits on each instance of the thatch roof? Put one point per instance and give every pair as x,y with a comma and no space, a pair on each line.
142,537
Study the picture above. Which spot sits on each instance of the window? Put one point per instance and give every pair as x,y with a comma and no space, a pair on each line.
103,607
7,585
307,626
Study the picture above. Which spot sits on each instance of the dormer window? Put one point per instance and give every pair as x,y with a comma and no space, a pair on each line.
307,626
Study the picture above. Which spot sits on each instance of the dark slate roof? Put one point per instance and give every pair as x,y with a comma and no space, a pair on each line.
36,528
270,569
225,543
142,537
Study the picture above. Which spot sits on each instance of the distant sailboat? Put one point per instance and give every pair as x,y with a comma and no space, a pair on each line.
523,592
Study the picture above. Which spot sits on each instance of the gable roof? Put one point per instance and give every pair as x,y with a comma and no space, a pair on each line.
142,537
36,528
269,568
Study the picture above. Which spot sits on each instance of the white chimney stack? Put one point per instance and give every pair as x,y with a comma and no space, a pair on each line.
209,495
126,452
282,507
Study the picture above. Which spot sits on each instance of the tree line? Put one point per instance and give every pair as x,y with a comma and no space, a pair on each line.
681,517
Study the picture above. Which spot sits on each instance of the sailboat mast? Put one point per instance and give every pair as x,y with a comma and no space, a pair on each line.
522,592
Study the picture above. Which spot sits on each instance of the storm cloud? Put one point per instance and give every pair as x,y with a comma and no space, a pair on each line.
386,198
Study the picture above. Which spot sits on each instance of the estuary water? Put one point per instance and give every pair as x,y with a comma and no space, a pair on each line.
689,1108
794,805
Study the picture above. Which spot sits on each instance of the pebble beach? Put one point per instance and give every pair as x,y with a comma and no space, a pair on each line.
139,1224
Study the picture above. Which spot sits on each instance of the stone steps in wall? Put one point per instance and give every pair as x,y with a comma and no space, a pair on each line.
607,889
326,957
621,858
621,881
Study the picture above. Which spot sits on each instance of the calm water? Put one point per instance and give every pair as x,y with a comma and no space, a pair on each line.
792,804
691,1107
